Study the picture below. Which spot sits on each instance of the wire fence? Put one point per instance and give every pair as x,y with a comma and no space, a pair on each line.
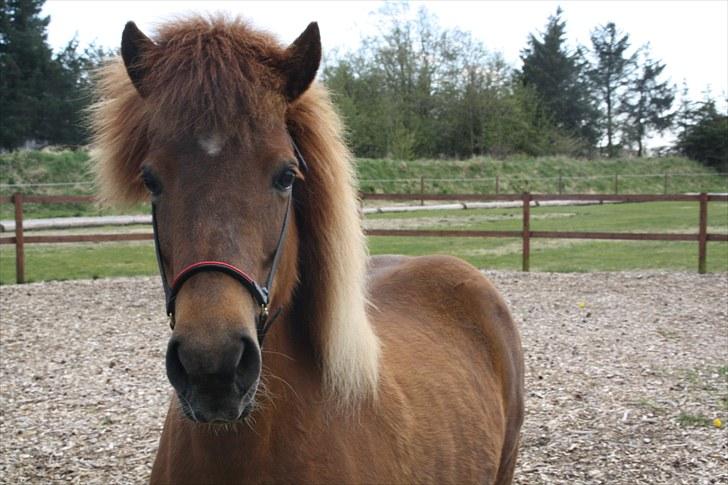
669,182
615,184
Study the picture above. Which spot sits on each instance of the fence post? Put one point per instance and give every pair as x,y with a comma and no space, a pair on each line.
422,190
561,185
19,240
703,232
665,184
526,231
497,184
616,183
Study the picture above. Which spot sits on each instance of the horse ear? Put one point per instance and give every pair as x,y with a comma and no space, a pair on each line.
134,44
302,61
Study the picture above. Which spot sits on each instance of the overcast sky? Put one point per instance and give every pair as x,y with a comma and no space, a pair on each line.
691,37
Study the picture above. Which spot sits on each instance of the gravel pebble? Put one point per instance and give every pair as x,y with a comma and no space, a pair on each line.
625,374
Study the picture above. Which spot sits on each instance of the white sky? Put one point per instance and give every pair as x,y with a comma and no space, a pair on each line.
691,37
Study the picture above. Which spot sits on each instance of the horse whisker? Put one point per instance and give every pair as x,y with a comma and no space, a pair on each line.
287,385
273,352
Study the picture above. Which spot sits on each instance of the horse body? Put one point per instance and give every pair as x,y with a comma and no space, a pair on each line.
448,409
387,370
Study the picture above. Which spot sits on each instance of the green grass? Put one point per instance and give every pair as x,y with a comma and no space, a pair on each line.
52,167
44,166
516,174
723,372
68,261
569,255
688,420
75,261
654,216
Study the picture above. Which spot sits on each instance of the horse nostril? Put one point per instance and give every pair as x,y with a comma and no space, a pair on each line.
175,370
249,363
241,353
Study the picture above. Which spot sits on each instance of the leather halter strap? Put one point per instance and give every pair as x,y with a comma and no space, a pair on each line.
261,294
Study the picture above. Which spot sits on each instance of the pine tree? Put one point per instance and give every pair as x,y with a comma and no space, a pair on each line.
42,96
610,75
25,66
704,135
557,75
649,102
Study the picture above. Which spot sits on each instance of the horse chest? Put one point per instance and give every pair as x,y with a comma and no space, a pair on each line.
287,452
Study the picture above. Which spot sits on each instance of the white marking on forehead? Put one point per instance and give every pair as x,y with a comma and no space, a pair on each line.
212,143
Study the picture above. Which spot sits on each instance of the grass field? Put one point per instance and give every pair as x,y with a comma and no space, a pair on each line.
515,175
71,261
519,174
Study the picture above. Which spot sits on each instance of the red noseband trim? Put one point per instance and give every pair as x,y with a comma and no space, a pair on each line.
198,264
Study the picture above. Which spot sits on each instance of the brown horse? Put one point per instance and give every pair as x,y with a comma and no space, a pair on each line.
388,370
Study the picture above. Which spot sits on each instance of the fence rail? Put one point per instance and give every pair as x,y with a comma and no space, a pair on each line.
526,234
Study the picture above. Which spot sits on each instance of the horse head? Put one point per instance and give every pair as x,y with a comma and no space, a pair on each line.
220,167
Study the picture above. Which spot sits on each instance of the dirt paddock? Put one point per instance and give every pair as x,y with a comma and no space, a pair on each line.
625,374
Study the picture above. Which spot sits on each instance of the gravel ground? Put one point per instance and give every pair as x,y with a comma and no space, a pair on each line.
625,374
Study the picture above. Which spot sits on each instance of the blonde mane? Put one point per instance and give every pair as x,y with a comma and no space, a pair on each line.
333,250
330,298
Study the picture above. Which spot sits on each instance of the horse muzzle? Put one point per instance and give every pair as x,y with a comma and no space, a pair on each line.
214,383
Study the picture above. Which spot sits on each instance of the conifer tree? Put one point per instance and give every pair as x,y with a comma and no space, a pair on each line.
42,95
704,134
610,75
558,76
649,101
25,66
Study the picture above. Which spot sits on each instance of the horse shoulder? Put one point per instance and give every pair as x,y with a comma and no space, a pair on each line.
438,316
445,284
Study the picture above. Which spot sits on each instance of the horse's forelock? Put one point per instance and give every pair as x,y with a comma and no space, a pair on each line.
209,73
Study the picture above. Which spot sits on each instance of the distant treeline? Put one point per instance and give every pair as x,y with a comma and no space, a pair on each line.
415,90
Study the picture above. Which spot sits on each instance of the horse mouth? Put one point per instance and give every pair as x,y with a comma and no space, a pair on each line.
209,411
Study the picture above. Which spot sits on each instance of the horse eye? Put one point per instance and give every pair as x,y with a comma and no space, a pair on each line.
151,182
285,179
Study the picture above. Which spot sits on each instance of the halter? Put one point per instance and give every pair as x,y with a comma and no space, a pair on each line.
261,294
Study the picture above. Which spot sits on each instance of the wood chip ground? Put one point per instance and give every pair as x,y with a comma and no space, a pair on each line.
625,373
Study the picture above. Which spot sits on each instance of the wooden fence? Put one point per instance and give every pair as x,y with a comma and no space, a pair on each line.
526,234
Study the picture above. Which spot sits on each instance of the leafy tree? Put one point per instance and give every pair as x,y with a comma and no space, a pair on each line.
355,94
649,102
610,75
418,90
558,76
